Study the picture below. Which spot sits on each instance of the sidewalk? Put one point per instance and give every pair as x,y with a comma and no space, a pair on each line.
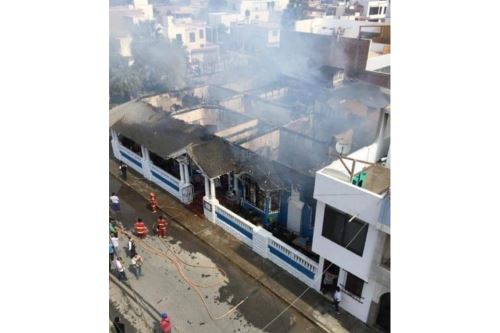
312,305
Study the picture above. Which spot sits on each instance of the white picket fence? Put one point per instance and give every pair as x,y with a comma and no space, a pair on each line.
234,224
292,261
266,245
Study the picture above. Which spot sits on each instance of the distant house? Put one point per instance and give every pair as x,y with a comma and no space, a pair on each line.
192,35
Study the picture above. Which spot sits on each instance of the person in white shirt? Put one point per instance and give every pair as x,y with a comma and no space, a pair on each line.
120,269
137,264
116,242
337,298
115,202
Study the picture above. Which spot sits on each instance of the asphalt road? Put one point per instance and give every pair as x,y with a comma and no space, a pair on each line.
163,287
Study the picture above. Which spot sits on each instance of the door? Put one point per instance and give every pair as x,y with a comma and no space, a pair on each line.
384,311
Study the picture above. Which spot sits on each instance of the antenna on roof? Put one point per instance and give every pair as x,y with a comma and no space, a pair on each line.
344,142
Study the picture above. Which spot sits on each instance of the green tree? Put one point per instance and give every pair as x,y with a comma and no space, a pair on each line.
124,81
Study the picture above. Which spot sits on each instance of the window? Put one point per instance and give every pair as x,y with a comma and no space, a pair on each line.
386,256
373,11
337,228
192,37
130,144
385,10
202,34
253,194
170,165
354,284
178,38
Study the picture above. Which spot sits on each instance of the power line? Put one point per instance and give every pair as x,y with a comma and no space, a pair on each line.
302,294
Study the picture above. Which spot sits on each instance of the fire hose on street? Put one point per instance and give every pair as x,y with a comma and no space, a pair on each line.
178,263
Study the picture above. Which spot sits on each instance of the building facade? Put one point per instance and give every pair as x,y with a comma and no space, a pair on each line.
352,229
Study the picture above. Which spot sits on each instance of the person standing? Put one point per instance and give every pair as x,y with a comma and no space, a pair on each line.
115,202
161,226
131,247
165,324
112,227
140,228
337,298
137,264
153,202
120,269
115,241
123,168
111,254
327,282
119,326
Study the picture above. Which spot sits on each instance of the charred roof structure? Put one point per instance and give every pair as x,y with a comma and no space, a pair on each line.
255,140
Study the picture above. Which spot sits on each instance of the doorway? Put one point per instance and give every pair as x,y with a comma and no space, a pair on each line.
330,277
384,312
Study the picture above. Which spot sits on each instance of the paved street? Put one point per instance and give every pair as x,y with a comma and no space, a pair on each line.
163,287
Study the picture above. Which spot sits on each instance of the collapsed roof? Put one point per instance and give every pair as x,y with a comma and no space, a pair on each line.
165,135
154,129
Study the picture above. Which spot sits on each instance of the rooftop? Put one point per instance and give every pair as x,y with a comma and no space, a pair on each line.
378,179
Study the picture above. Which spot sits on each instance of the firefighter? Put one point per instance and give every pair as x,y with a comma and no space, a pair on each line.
161,227
140,228
153,203
165,324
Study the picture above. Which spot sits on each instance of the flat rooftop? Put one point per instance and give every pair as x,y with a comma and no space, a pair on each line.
378,179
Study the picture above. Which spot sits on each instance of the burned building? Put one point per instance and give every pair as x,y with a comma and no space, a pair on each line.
245,153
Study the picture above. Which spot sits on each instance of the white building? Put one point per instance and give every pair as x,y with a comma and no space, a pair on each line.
122,20
223,18
192,35
379,55
374,10
255,9
352,227
329,25
139,10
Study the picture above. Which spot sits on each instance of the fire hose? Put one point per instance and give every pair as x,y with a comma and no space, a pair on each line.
176,261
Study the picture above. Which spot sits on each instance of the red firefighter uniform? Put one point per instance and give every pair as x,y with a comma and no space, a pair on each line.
153,203
161,227
140,228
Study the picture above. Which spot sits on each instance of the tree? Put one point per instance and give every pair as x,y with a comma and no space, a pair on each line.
161,64
124,82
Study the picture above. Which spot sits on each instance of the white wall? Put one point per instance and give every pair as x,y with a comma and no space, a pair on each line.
173,28
340,194
378,62
328,24
362,267
271,140
125,42
359,266
354,307
214,19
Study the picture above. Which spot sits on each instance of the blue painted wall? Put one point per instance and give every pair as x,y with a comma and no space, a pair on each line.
283,214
